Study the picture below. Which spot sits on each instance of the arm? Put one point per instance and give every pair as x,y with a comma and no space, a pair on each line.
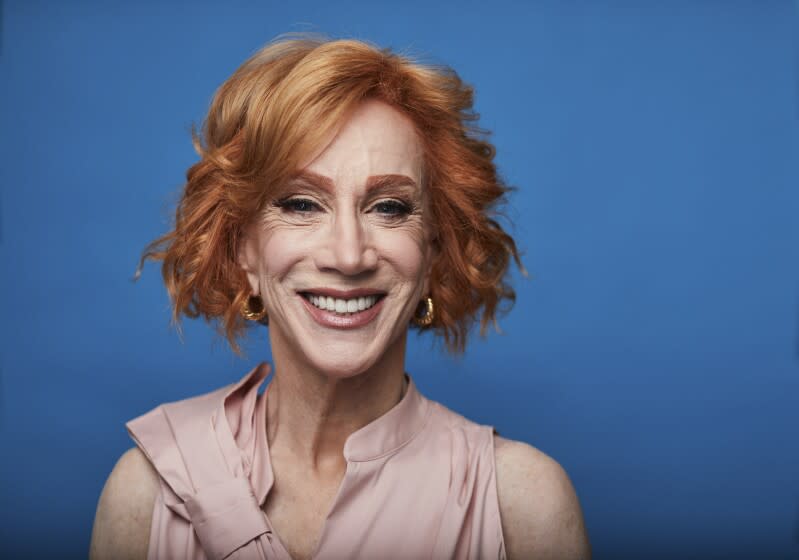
540,513
124,512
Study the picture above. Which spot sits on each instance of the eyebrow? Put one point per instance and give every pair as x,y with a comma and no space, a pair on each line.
373,182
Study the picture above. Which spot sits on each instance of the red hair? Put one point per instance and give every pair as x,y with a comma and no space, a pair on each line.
280,106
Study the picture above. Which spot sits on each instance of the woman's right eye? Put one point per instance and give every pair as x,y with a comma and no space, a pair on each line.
299,205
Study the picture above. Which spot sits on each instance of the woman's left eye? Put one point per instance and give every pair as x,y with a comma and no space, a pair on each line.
392,208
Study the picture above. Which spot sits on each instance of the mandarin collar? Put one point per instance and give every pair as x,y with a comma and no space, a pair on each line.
387,433
382,436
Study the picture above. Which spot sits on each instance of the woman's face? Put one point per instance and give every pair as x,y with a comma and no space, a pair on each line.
342,256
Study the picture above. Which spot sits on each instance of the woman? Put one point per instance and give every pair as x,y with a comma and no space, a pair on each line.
341,197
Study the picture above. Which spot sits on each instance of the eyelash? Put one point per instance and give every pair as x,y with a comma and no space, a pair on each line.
292,205
393,208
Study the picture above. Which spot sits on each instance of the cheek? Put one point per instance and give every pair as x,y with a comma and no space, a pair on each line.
405,250
280,250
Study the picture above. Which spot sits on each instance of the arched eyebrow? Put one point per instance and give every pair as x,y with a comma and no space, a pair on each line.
386,181
373,182
312,179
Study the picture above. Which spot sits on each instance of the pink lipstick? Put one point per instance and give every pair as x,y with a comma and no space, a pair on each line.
343,319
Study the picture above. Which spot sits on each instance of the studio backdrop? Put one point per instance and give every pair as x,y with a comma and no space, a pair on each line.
652,349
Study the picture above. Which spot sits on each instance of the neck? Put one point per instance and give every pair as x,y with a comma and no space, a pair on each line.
311,414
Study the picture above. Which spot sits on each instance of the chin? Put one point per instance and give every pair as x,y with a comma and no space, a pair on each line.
341,364
339,354
342,361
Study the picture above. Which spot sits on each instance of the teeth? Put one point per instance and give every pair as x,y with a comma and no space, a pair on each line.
342,305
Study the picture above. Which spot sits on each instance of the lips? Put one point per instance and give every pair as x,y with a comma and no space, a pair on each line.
343,309
339,305
343,294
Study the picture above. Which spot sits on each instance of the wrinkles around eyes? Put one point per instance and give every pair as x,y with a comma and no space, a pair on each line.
275,217
410,194
274,220
405,206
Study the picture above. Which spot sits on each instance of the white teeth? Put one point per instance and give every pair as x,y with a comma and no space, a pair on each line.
342,305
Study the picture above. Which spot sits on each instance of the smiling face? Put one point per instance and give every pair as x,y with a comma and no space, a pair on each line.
341,257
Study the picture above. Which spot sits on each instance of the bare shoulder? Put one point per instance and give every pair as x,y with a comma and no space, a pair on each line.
541,516
124,512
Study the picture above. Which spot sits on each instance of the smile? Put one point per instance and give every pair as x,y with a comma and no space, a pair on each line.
341,305
342,311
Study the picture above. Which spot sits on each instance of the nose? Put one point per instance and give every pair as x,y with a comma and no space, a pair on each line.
348,248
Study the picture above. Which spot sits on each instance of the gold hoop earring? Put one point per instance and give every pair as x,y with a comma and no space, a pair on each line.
429,313
253,308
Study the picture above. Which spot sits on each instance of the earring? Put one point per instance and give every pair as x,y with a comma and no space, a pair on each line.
429,313
253,308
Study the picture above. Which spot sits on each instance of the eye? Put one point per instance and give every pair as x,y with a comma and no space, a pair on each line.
392,208
299,205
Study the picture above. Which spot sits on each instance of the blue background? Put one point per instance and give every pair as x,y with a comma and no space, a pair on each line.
652,352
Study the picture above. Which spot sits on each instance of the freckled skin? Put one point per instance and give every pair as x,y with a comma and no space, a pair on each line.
346,238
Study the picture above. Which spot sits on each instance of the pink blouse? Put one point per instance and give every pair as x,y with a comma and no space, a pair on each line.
420,482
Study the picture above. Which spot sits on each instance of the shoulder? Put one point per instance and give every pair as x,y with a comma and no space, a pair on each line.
539,510
124,512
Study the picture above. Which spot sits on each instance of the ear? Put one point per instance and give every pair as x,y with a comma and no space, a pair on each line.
247,255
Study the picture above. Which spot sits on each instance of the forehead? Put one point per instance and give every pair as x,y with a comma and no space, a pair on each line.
375,139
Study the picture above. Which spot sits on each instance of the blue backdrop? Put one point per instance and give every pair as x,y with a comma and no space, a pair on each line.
652,352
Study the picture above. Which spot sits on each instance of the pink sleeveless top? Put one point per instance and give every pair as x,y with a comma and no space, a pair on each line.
420,482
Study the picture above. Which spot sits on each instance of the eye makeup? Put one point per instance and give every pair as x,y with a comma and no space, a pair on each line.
391,198
393,208
297,204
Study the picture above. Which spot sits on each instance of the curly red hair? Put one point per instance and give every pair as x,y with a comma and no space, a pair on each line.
280,106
